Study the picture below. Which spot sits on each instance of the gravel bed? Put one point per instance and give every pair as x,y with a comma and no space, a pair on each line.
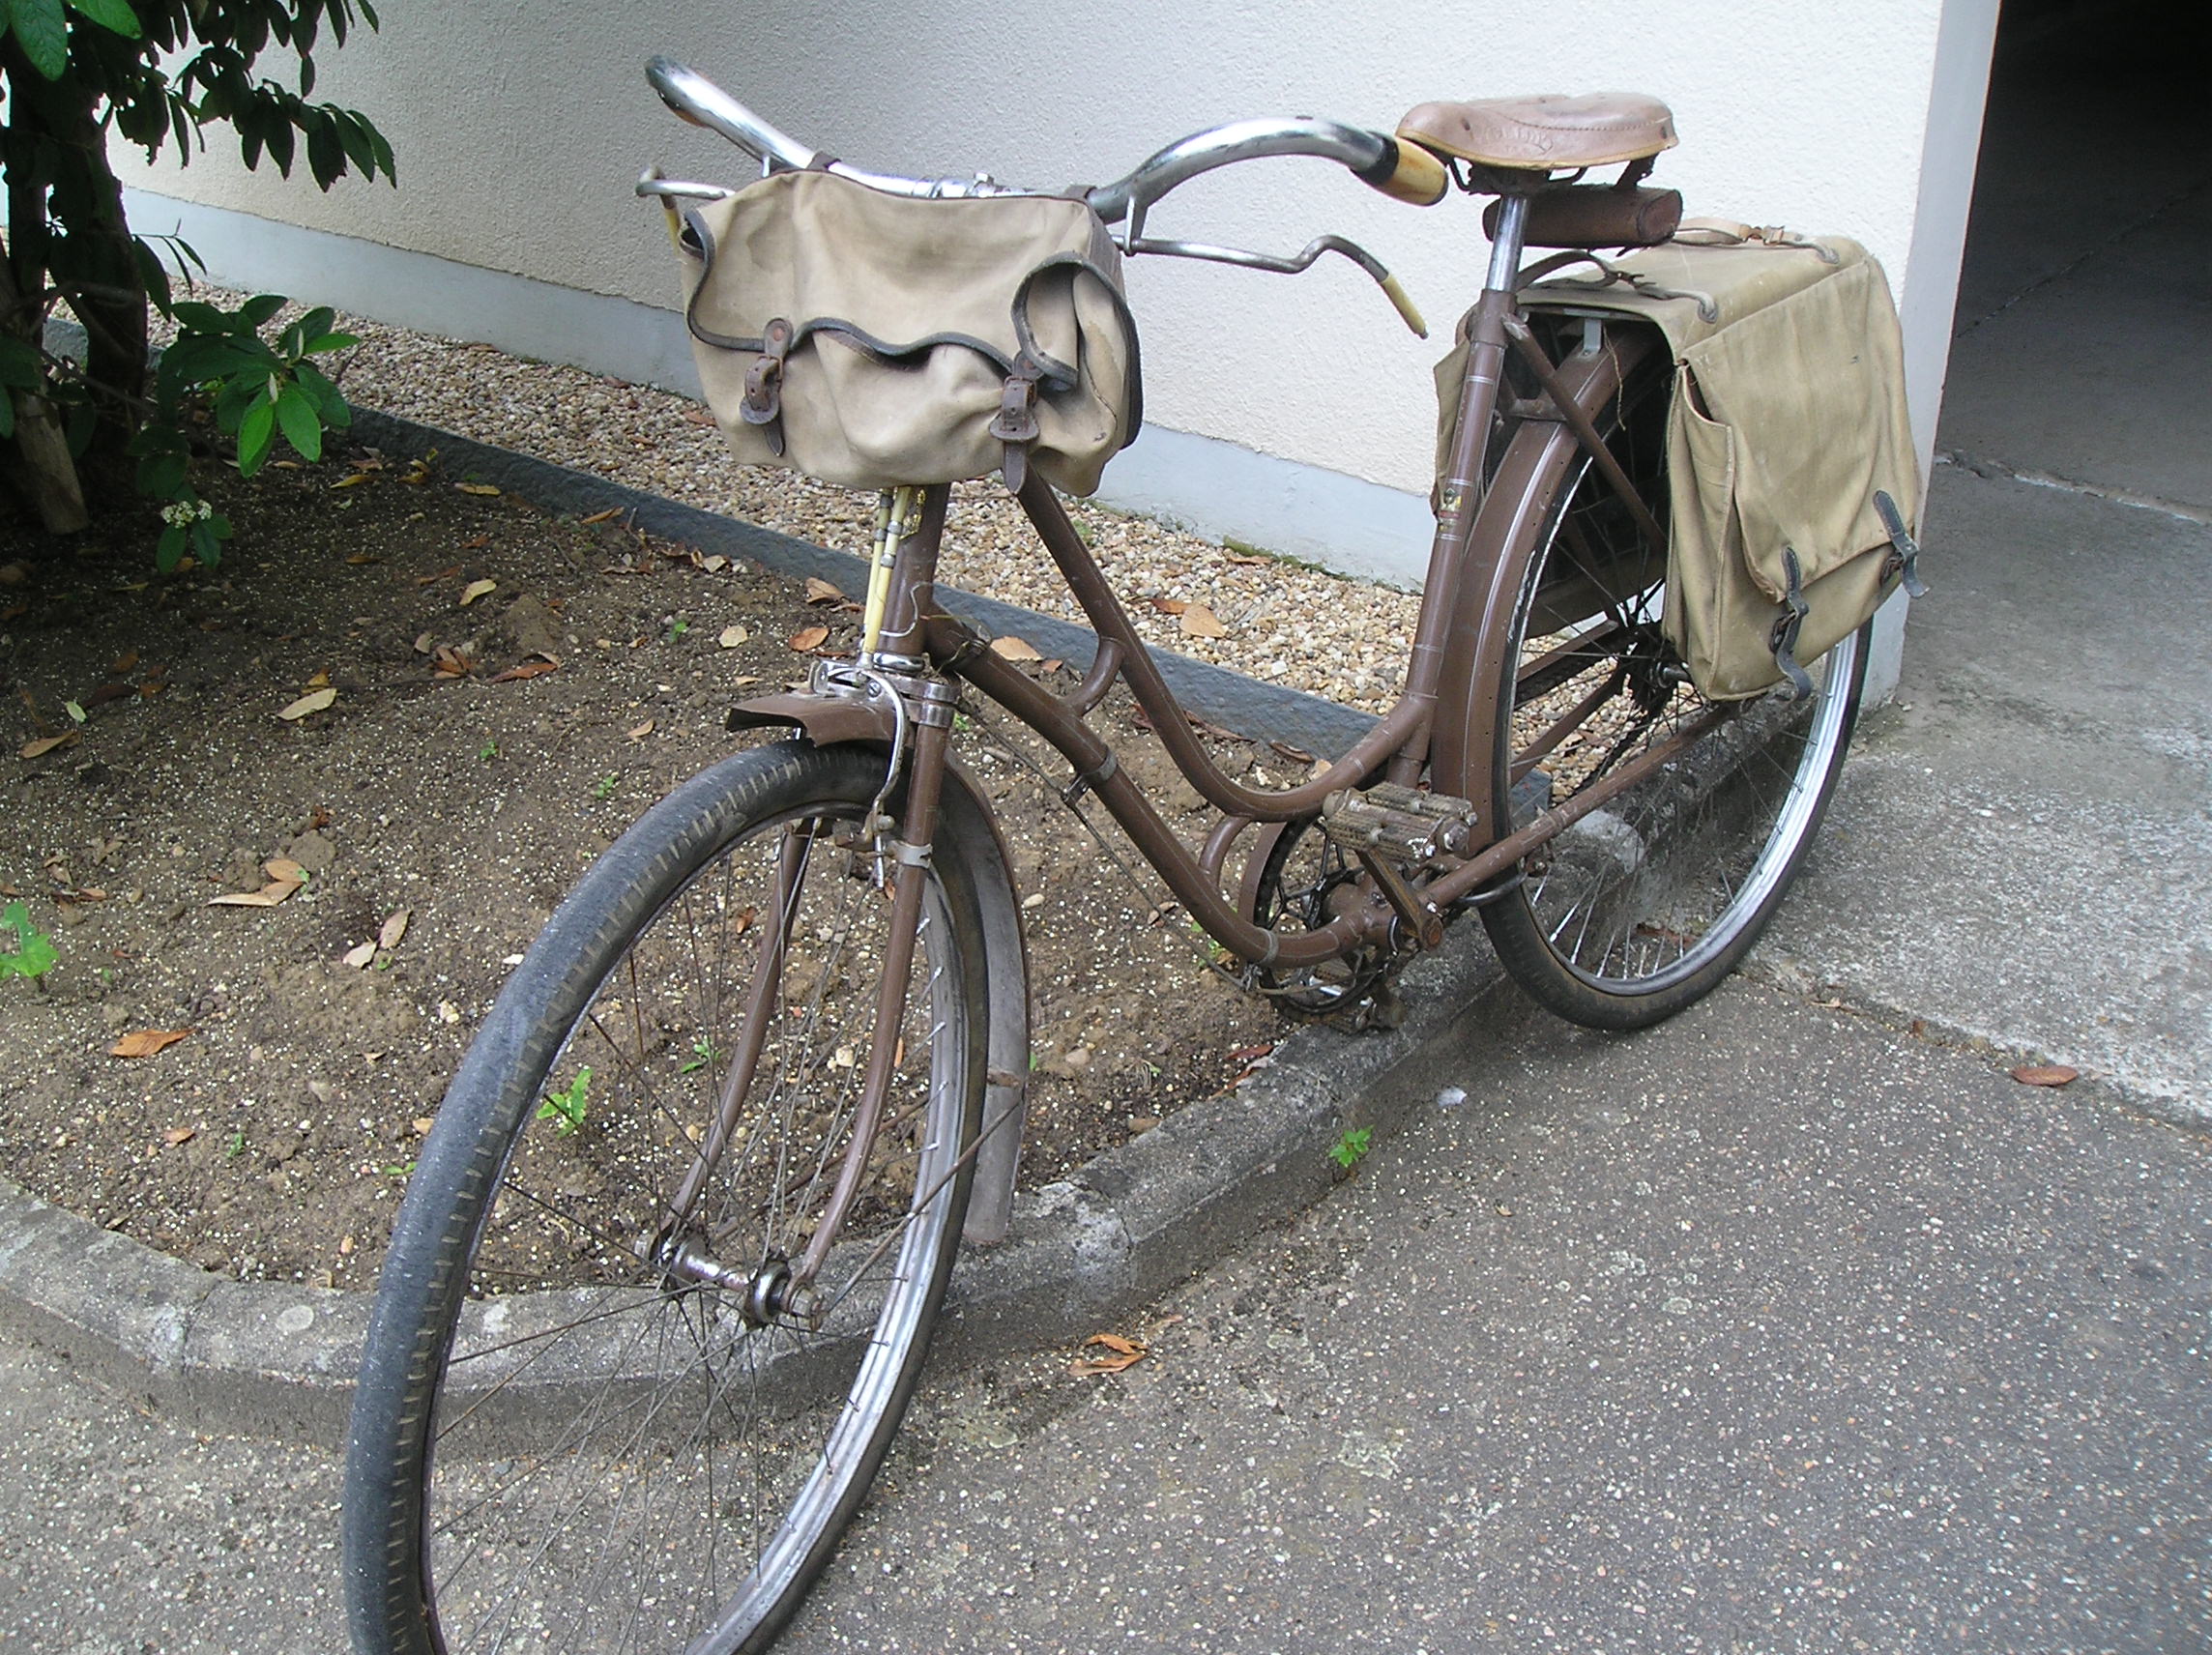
1283,622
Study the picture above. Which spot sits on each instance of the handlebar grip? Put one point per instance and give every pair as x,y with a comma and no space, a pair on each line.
1407,172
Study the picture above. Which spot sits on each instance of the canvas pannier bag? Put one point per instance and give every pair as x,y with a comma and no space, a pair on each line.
874,340
1793,475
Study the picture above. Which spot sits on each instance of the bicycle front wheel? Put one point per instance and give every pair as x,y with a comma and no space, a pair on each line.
1648,901
597,1410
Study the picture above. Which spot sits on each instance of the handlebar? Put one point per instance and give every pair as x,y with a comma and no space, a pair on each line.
1404,171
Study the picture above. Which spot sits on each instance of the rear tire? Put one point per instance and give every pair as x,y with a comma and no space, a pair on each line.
1646,904
568,1437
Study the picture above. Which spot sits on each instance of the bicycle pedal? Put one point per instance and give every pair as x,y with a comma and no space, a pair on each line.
1401,824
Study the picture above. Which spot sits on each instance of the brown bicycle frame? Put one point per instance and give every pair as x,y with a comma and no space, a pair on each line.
1458,679
1460,683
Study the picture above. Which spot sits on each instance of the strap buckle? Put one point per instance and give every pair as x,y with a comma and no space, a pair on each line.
762,403
1904,555
1784,640
1016,426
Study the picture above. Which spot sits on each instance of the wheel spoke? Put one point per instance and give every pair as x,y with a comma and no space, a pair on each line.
637,1435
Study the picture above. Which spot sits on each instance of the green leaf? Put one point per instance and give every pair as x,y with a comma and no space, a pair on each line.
206,544
354,136
44,33
203,317
322,342
383,151
302,424
6,413
161,477
317,321
34,954
152,273
114,16
169,550
20,364
259,308
256,431
326,156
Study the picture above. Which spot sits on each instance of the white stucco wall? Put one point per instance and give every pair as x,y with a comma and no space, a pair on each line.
520,127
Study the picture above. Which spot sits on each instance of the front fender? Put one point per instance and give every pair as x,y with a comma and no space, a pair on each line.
965,819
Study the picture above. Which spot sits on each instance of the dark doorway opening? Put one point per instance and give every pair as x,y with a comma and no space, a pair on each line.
2083,345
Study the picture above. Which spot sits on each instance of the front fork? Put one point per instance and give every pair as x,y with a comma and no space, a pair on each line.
919,707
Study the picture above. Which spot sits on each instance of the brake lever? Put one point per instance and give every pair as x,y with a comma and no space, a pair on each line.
1294,265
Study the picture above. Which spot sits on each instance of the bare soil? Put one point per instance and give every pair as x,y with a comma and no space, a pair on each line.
272,1140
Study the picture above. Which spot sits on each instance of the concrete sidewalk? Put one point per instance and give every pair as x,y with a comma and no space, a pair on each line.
2020,851
1772,1328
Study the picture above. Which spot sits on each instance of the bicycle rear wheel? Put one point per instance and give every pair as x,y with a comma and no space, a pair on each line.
1647,902
592,1413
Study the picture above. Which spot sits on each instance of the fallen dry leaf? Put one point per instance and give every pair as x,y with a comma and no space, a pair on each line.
145,1042
123,662
609,513
1241,557
354,482
809,638
1122,1353
359,956
822,591
2045,1074
285,877
732,638
476,589
176,1135
422,1124
446,662
640,732
1010,648
424,641
526,669
1246,1054
360,558
715,564
45,745
1170,605
476,543
1199,622
446,573
490,490
315,701
393,928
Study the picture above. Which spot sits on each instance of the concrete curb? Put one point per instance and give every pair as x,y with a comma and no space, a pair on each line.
279,1359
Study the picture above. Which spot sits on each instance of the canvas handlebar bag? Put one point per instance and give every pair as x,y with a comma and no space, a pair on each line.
874,340
1786,435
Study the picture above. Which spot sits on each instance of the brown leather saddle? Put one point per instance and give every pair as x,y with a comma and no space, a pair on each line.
1546,131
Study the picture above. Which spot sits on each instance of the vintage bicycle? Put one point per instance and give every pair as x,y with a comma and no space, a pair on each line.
626,1387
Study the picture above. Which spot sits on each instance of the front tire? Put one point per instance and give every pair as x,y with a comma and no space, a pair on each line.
570,1432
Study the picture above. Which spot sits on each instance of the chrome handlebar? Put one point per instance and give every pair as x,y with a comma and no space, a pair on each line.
1369,156
699,100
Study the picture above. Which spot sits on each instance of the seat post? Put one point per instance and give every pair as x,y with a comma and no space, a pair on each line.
1507,245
